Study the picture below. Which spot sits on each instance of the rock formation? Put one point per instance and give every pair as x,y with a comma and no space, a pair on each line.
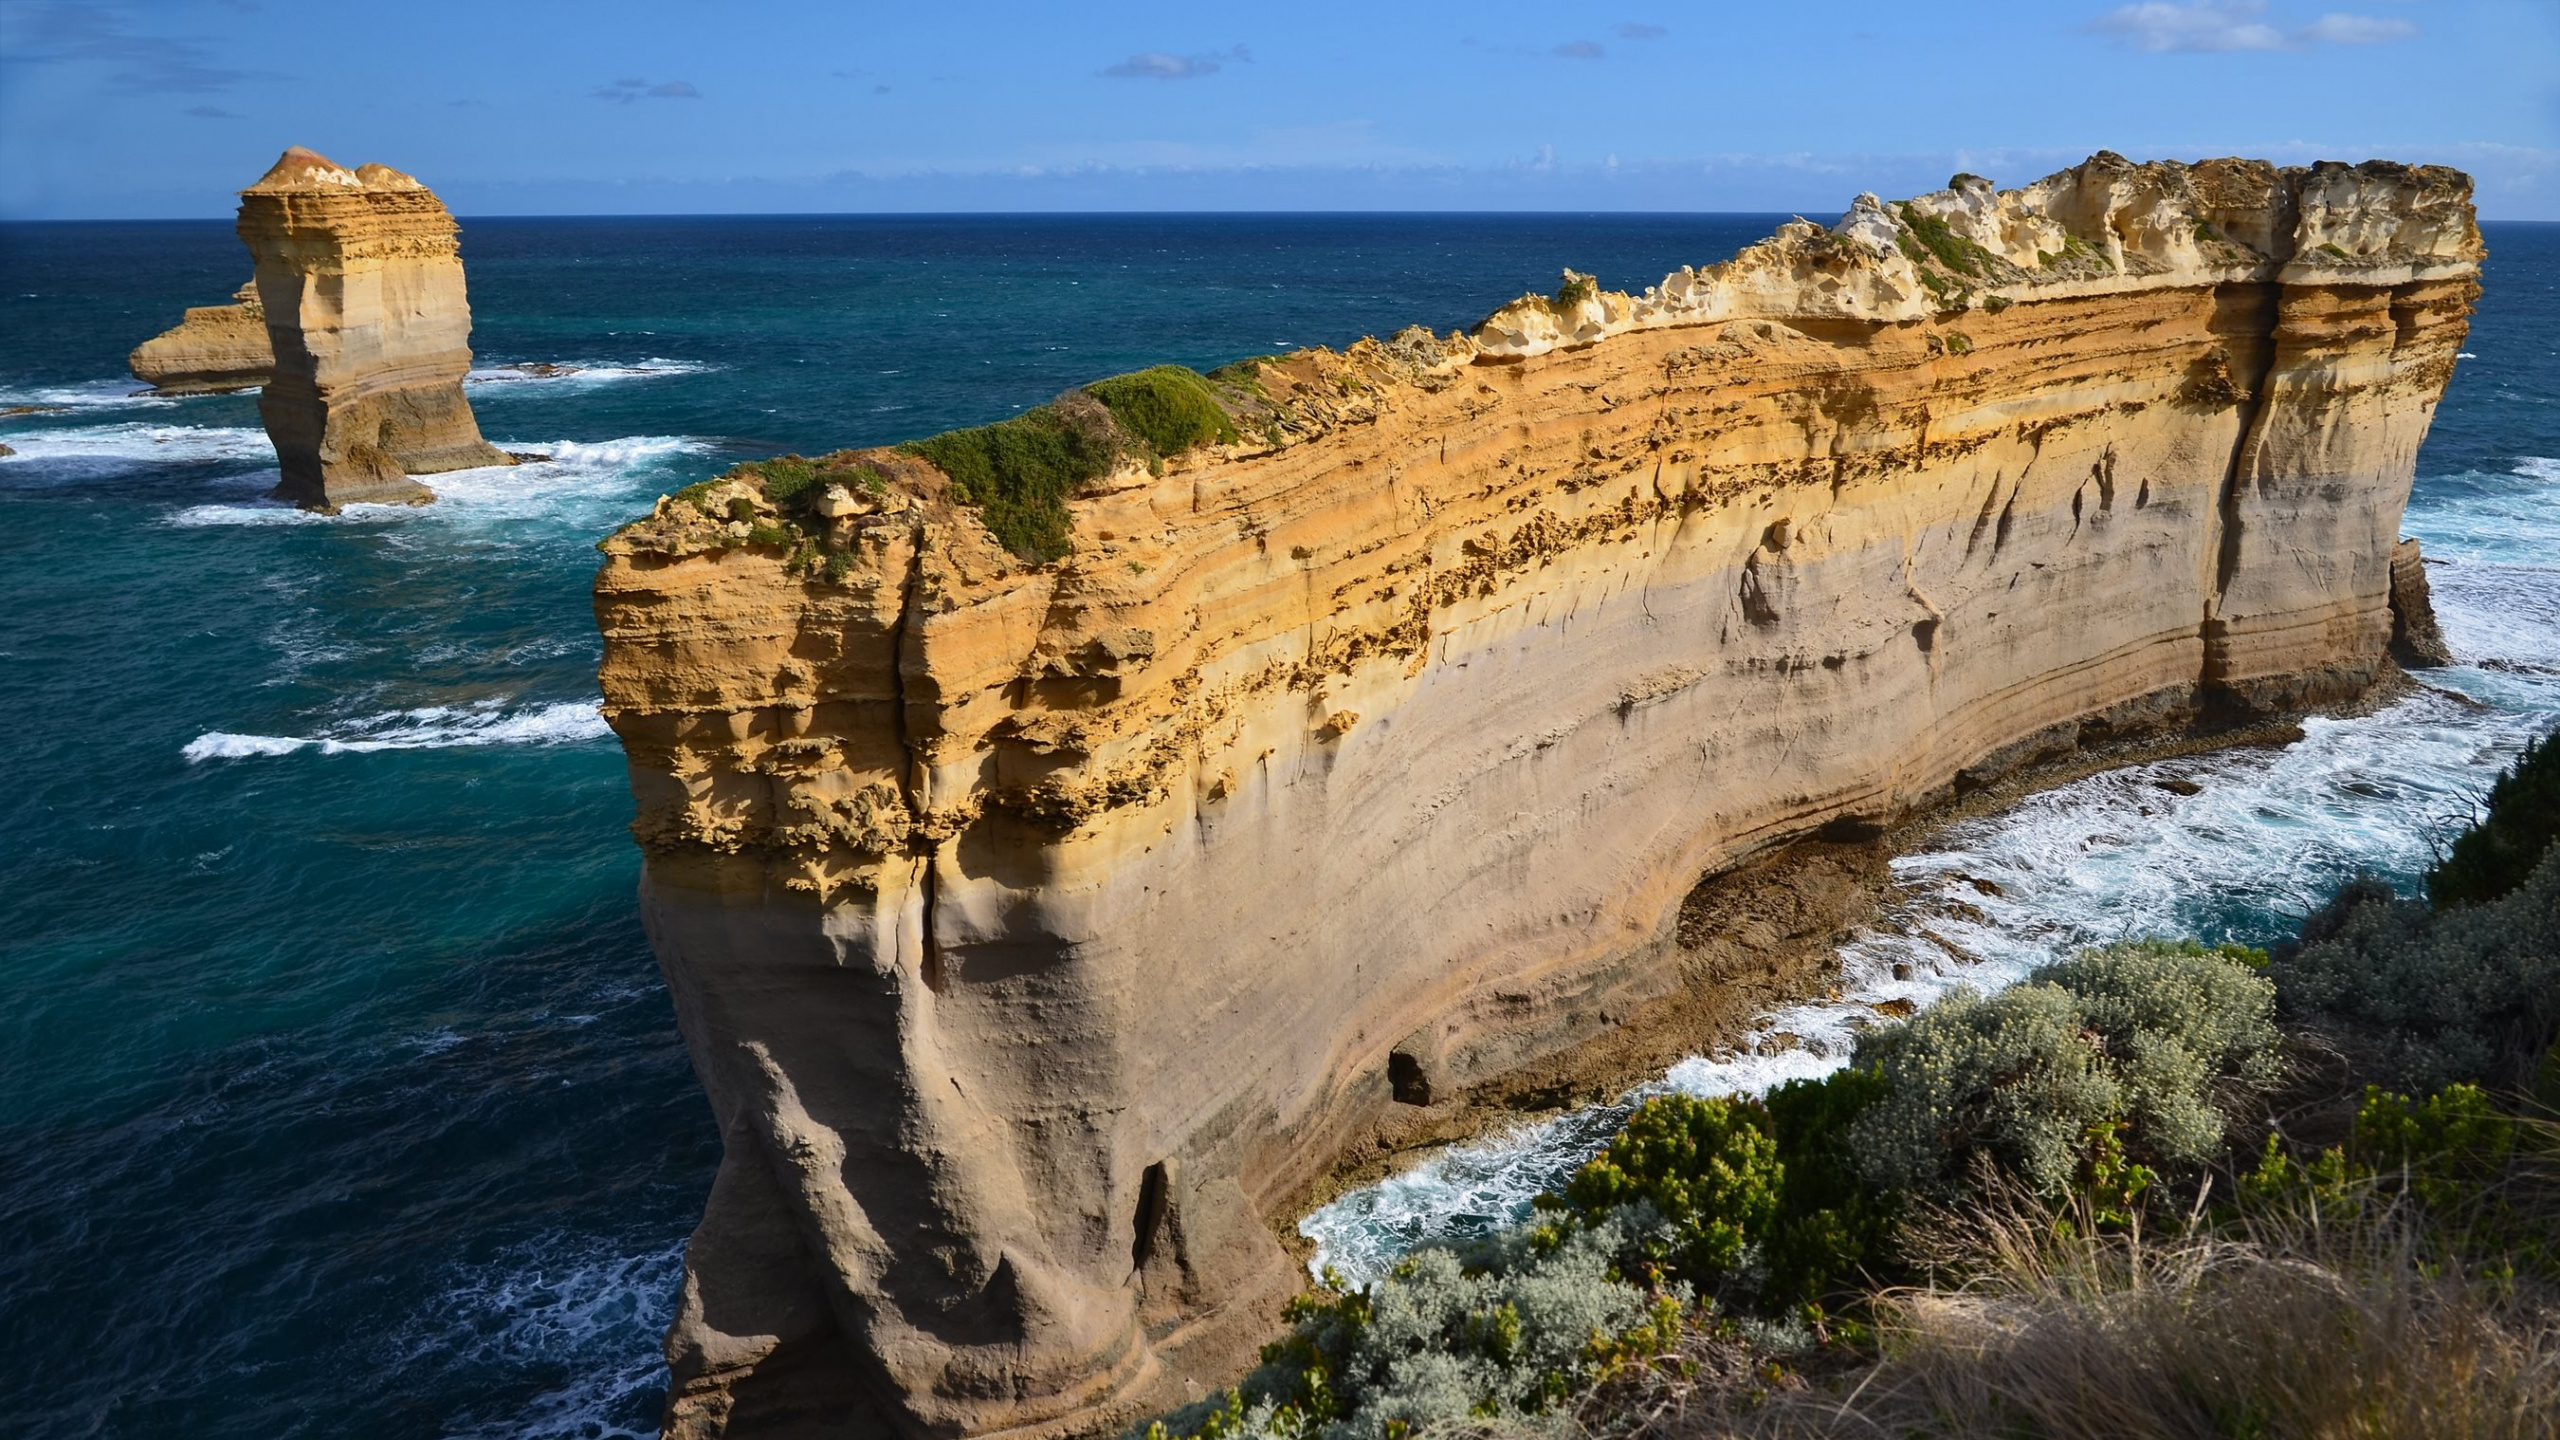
2415,640
360,275
213,349
1043,930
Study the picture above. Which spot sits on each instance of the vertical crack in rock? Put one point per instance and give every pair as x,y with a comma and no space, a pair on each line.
914,773
1069,1127
2248,394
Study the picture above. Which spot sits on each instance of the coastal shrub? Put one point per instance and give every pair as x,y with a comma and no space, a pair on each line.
1504,1330
1708,1166
1019,472
2427,998
1575,289
2122,1045
1759,1203
789,482
793,483
1938,240
1169,407
2517,828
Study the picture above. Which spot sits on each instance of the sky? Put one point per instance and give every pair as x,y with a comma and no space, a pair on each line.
163,108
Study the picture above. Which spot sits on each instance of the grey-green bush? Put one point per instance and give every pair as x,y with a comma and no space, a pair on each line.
1497,1329
2435,997
2136,1035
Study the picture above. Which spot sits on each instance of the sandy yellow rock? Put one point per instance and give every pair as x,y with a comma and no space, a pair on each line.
1042,933
360,278
212,349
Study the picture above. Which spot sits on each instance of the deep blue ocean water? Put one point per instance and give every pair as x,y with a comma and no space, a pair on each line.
341,1095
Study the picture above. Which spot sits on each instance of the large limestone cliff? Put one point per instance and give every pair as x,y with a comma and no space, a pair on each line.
1043,930
360,278
211,349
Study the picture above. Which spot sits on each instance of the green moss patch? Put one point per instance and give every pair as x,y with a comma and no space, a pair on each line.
1019,472
1167,406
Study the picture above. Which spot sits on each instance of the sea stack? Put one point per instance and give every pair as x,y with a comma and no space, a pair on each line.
214,348
360,276
1051,901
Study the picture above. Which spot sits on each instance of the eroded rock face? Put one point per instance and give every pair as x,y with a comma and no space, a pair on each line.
212,349
1043,932
360,276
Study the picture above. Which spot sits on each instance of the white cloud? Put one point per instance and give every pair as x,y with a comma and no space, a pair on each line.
1157,65
2202,26
2336,29
635,88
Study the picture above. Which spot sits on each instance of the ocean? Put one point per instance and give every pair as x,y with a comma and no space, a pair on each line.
343,1096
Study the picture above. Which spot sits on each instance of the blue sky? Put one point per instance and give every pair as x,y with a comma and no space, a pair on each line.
164,107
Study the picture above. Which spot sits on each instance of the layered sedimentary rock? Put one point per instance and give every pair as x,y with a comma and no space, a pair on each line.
360,276
211,349
1043,931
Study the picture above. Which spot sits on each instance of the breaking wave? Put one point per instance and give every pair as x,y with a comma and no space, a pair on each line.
121,394
68,455
584,372
563,1305
432,727
571,474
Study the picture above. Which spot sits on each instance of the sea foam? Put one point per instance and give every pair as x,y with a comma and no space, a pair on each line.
432,727
563,1303
123,394
574,475
72,454
584,372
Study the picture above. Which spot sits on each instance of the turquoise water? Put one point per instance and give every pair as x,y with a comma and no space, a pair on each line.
343,1096
342,1093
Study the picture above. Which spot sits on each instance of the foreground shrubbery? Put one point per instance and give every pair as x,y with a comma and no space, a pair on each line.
2039,1213
2427,998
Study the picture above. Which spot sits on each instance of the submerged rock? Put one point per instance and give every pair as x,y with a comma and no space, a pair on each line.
1046,914
360,274
215,348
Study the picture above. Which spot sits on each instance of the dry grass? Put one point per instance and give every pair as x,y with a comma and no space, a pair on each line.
2360,1323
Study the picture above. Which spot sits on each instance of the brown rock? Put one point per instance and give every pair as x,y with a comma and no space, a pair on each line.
1041,941
361,278
2415,640
214,349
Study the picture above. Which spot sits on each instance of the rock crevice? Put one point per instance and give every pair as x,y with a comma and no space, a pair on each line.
1043,930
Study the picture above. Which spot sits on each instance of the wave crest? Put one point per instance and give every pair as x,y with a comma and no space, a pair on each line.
432,727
